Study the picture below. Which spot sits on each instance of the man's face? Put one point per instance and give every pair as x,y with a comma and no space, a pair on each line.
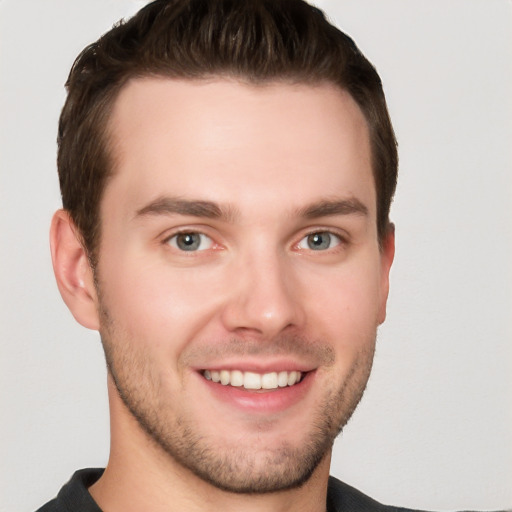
239,243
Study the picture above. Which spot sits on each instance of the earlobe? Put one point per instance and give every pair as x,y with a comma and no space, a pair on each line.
387,257
73,272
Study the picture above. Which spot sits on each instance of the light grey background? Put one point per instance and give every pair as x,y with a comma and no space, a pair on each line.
435,427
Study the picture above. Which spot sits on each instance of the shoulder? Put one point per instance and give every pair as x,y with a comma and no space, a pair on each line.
343,497
74,496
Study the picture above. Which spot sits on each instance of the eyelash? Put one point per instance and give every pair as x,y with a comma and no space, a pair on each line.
339,240
185,232
342,240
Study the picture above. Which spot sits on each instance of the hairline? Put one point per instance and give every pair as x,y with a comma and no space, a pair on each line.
108,140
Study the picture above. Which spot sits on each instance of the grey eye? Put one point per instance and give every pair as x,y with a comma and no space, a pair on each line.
319,241
190,242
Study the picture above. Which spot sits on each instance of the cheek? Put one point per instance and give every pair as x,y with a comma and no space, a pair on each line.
346,311
158,303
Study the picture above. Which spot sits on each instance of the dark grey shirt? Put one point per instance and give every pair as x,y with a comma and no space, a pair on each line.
74,497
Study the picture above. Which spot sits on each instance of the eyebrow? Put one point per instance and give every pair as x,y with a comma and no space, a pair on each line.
331,207
212,210
194,208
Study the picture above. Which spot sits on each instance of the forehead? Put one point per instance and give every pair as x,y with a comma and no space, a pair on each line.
227,141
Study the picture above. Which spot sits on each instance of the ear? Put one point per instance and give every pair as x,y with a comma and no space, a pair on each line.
73,272
387,255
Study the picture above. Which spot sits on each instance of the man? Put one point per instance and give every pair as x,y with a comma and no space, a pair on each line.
226,171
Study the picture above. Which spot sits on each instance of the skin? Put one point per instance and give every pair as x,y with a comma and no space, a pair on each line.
257,170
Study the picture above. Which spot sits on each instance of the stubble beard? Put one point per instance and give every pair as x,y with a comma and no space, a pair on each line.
236,468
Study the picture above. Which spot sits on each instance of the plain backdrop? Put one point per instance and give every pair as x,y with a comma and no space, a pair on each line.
434,429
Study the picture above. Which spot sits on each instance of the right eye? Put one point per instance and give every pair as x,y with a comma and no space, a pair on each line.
320,241
190,242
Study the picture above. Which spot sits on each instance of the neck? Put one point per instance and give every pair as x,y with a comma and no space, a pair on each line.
140,476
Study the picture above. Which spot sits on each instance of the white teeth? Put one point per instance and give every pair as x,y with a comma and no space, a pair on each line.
269,380
292,378
237,378
224,377
252,380
282,379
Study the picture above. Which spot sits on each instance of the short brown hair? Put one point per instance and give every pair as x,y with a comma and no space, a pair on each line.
252,40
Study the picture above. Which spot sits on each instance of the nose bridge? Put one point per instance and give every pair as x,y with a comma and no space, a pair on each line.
263,298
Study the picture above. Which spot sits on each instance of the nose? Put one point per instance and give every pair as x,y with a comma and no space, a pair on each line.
265,299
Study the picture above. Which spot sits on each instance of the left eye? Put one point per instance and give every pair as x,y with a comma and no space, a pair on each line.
190,242
319,241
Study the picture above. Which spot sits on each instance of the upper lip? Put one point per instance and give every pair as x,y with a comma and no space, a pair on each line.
257,366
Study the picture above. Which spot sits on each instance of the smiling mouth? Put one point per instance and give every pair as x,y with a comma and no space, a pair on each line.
252,380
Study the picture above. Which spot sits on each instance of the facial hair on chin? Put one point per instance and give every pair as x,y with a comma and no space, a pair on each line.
235,468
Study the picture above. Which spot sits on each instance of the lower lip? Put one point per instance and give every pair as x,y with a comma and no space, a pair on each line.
261,401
